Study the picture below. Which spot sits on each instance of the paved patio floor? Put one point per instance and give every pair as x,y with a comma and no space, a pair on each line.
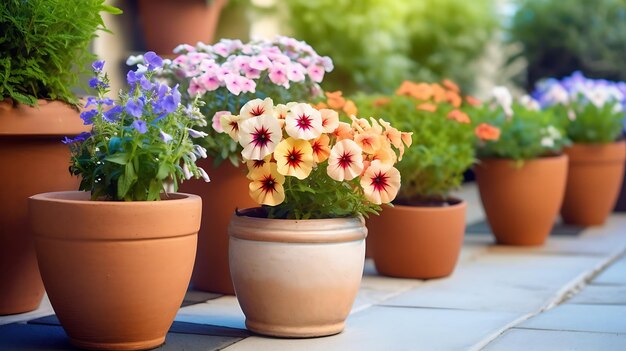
567,295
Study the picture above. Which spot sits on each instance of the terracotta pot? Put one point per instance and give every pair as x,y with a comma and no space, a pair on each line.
227,191
417,242
522,202
296,278
116,273
34,160
593,182
168,23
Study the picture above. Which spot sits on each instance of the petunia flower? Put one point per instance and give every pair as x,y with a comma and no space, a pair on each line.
343,131
345,161
350,108
257,107
253,165
368,141
259,136
294,157
380,182
459,116
335,100
303,122
216,121
385,155
330,120
266,187
321,148
280,111
278,74
487,132
230,124
316,73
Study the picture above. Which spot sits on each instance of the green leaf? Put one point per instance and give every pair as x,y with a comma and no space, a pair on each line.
121,158
126,180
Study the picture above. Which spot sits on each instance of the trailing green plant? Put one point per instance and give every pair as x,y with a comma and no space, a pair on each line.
590,110
139,145
443,137
526,131
376,44
44,46
560,37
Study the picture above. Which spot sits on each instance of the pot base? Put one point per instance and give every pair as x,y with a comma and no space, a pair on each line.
295,332
120,346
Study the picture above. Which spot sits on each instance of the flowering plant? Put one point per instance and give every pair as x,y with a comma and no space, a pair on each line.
444,137
526,131
304,163
137,145
228,74
591,110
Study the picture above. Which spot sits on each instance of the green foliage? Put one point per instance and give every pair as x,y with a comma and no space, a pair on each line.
442,149
527,134
375,44
44,46
560,37
593,124
121,161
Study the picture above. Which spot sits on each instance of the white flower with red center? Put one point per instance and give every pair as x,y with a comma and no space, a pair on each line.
259,136
230,124
294,157
266,187
257,107
330,120
345,161
280,111
380,182
321,148
254,165
303,122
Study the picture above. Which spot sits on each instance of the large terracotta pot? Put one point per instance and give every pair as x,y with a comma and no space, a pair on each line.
168,23
417,242
594,180
34,160
296,278
522,202
116,273
227,191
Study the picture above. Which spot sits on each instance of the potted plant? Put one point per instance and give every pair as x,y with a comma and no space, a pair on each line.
44,48
422,234
116,261
592,114
166,23
521,176
297,261
225,76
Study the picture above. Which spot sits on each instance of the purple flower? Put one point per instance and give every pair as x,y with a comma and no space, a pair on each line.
140,126
168,104
135,108
152,60
165,137
87,116
80,137
113,114
97,66
133,77
91,100
95,83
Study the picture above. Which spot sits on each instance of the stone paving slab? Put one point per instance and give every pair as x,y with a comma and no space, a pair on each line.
551,340
396,328
601,294
614,275
577,317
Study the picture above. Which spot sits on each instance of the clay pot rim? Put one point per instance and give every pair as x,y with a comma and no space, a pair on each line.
459,204
83,198
597,153
50,118
548,158
326,230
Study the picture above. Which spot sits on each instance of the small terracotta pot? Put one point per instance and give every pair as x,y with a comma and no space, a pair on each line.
417,242
34,160
167,23
115,272
594,179
227,191
296,278
522,202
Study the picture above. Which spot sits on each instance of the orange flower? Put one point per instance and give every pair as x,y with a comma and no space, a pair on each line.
343,131
321,149
439,93
294,157
335,100
350,108
369,142
320,105
427,107
472,101
380,182
486,132
254,165
266,187
381,101
406,88
421,91
453,98
459,116
450,85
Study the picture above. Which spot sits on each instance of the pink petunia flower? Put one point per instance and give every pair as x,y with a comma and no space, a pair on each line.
278,74
316,73
260,62
217,120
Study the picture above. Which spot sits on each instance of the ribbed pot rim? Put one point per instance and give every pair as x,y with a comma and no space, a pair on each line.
83,197
330,230
460,203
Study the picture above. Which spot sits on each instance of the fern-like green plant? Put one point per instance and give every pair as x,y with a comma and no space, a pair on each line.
44,46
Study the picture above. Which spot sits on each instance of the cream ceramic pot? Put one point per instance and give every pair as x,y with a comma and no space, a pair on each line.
296,278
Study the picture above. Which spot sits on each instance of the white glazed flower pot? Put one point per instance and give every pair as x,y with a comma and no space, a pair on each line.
296,278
